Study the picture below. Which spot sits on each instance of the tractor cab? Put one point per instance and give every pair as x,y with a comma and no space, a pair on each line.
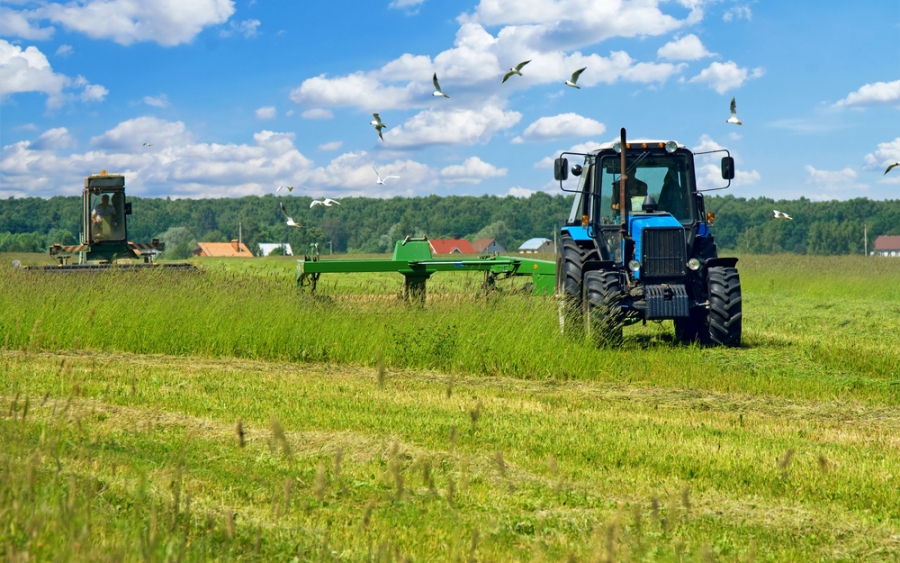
105,210
638,246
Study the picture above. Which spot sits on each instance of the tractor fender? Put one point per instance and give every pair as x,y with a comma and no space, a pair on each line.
721,262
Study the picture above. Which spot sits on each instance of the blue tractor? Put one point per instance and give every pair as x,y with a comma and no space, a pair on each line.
637,246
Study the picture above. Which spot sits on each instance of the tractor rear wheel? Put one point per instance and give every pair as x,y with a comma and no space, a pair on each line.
603,307
725,306
569,265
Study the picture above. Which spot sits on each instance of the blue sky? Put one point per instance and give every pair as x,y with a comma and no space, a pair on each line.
236,97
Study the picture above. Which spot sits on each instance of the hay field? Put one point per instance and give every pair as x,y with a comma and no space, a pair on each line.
464,430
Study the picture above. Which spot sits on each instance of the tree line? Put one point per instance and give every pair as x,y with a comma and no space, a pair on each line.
371,225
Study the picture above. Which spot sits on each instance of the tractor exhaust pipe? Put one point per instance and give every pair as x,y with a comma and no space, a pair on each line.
622,177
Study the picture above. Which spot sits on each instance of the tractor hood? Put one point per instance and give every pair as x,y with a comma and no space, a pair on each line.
659,244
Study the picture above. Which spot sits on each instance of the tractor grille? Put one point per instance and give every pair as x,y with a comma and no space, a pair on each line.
663,252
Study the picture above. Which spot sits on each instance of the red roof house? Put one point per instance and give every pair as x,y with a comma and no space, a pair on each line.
451,246
223,249
887,245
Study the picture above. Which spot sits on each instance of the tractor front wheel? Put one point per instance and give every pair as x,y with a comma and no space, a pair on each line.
603,307
725,306
569,265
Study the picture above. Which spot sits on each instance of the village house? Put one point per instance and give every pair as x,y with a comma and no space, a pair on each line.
451,246
223,249
488,246
887,245
534,245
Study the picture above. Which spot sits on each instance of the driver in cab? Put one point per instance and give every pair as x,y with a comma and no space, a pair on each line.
634,188
101,217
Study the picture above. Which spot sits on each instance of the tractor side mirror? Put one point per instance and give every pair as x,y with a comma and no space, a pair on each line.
727,168
577,170
561,169
128,208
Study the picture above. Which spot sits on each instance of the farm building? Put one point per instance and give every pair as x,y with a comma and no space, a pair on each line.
533,245
266,248
223,249
451,246
887,245
488,246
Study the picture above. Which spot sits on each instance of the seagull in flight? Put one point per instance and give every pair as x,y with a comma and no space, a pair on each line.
437,87
572,81
381,180
891,166
290,221
148,144
378,125
780,215
289,188
734,118
516,70
327,202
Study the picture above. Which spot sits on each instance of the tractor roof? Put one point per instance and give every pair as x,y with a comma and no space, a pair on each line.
635,143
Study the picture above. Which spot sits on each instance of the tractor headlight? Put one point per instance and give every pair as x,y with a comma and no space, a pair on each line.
617,146
634,265
693,264
671,146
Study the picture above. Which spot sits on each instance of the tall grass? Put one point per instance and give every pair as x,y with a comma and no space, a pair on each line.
799,342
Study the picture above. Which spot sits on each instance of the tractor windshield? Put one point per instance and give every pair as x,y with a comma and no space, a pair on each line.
107,216
664,176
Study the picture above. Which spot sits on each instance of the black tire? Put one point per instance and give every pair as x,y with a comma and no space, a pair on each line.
603,307
569,265
725,306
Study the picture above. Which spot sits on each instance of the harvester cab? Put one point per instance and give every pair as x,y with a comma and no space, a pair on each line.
104,226
638,246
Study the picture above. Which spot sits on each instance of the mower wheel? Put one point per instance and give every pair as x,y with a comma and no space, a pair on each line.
603,307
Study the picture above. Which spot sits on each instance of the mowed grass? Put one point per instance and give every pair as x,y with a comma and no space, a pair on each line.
466,429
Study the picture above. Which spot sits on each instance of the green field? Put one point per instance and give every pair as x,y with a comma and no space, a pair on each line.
467,429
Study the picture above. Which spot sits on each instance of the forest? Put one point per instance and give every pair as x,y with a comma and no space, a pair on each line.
369,225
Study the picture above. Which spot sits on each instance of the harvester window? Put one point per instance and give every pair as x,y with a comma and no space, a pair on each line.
108,216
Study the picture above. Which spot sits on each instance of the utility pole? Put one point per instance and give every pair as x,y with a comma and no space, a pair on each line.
865,240
240,236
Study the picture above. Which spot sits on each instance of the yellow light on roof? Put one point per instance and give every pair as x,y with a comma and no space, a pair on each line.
661,145
643,145
103,172
627,145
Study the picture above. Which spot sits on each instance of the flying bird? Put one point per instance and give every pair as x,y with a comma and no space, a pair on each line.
516,70
378,125
289,188
290,221
780,215
381,180
733,119
327,202
148,144
437,87
891,166
572,81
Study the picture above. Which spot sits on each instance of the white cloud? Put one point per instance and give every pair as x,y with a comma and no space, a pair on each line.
267,112
247,28
399,4
161,101
357,89
93,93
688,48
331,146
54,139
726,76
581,148
886,153
317,113
518,191
167,22
709,167
178,166
451,127
886,93
64,51
833,181
559,127
568,24
28,70
473,170
17,24
737,12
